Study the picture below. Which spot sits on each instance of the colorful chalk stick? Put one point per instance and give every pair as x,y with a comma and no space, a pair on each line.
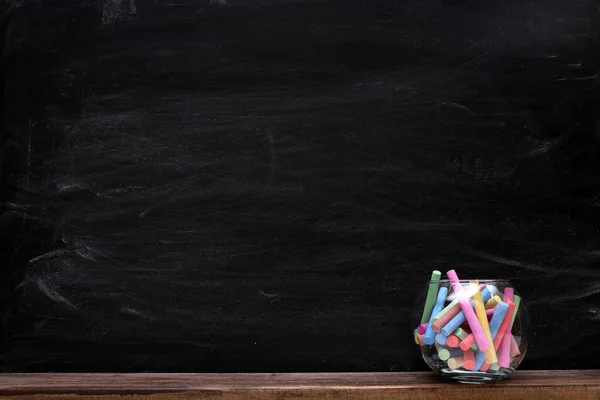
492,302
422,328
442,352
444,310
441,338
460,317
509,294
453,341
504,325
445,353
505,346
469,359
517,301
454,322
500,312
456,362
490,353
460,333
446,315
439,304
467,342
479,360
470,316
434,284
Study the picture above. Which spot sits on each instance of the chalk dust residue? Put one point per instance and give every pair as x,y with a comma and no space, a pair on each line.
54,295
114,10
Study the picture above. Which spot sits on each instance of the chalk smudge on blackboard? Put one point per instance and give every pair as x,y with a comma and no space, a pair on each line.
49,290
49,255
113,10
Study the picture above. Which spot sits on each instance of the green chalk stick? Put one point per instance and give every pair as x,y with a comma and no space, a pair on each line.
443,353
517,301
460,333
494,367
444,310
431,296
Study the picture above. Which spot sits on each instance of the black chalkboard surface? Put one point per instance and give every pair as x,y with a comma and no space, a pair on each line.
265,185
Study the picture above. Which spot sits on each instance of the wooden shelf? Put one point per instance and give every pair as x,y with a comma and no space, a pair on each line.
530,385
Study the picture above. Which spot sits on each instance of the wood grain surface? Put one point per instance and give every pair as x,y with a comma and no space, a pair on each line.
418,385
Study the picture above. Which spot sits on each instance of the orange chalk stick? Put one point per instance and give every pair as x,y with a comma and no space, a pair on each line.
452,341
504,325
467,342
469,359
446,317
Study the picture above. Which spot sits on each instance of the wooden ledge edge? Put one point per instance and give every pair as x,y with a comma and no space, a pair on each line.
533,385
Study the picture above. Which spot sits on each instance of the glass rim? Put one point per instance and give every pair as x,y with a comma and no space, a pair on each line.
469,280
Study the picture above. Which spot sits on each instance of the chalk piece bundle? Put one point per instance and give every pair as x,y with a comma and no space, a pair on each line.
471,327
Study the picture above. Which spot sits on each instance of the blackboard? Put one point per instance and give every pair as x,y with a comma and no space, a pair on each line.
237,185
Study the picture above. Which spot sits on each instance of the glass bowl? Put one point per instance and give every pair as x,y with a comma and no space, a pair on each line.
450,339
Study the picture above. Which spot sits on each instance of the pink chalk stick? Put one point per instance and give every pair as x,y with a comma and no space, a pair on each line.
422,328
480,337
509,294
504,351
490,311
506,340
484,367
513,351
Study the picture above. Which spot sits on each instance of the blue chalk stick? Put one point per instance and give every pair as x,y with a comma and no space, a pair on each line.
479,359
460,317
499,314
486,294
441,338
453,323
429,336
456,353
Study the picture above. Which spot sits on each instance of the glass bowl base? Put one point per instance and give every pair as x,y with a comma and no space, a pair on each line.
475,377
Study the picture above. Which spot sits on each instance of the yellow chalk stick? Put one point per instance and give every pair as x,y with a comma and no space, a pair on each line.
492,302
490,353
